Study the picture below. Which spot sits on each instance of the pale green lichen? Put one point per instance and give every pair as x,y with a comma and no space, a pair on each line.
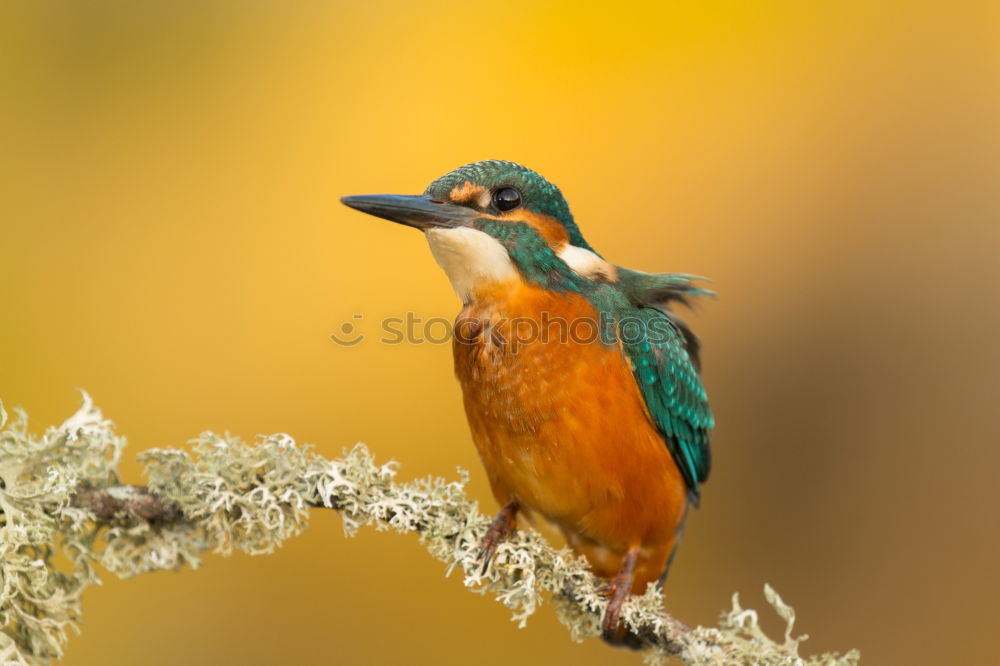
40,596
251,498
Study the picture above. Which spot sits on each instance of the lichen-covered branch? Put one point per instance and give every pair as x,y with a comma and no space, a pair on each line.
124,502
59,492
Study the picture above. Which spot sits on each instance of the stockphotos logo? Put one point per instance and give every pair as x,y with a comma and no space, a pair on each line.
511,333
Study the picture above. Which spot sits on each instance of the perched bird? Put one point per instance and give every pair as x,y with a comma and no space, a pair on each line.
581,386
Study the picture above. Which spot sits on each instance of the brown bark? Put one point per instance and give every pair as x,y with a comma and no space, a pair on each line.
119,502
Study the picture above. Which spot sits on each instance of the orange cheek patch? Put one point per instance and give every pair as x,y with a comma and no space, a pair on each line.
468,192
547,227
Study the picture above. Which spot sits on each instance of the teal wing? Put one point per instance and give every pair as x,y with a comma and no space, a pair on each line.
663,354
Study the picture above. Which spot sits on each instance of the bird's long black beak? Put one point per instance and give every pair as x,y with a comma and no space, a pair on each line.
419,211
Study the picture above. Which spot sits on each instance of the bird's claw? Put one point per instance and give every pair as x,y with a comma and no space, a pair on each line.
499,529
619,590
609,623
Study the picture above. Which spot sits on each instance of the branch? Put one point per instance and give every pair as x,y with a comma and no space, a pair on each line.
129,502
60,492
124,502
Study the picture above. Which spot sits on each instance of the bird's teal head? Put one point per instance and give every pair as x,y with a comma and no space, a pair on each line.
493,222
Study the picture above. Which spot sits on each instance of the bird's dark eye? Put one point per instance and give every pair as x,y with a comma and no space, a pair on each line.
506,198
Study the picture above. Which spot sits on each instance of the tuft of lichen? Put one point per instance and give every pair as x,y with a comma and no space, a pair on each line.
40,595
225,495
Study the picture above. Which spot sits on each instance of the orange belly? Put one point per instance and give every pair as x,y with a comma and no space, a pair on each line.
562,429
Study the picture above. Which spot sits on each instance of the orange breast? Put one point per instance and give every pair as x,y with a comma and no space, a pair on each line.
561,426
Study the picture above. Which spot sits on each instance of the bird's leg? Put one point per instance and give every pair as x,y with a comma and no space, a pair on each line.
621,585
500,529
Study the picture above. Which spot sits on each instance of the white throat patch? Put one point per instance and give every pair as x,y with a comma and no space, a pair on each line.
587,264
470,258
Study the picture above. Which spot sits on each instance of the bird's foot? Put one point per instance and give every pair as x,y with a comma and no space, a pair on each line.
499,529
621,586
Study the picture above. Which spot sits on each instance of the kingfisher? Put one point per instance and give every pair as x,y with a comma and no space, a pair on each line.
580,382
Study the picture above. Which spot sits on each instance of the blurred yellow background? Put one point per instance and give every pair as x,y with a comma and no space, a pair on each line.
173,243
